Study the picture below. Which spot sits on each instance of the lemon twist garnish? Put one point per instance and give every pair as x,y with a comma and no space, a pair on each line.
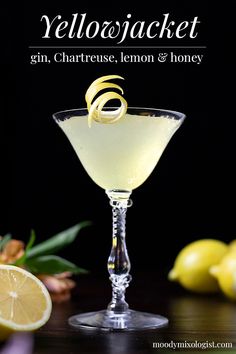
95,107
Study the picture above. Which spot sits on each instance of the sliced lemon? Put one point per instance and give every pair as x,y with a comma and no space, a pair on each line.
25,304
95,107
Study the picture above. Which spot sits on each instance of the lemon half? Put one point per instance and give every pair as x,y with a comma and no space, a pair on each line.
25,304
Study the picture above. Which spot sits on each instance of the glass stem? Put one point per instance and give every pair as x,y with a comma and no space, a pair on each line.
118,262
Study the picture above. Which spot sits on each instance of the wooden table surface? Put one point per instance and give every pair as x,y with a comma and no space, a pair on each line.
191,318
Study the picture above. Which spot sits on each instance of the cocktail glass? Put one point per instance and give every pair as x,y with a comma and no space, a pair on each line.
119,157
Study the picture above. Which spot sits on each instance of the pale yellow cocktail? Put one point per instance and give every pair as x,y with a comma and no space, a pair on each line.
120,155
119,148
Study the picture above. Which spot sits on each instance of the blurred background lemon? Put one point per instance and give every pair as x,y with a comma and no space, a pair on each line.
191,267
232,245
225,273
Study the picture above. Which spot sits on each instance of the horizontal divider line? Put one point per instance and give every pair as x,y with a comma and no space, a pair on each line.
116,47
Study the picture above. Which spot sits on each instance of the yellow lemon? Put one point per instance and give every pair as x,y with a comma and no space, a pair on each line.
25,304
232,245
225,273
191,268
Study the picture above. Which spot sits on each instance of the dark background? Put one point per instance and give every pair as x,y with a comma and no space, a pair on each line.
43,186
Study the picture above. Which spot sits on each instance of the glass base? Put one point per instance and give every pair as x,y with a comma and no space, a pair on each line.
108,320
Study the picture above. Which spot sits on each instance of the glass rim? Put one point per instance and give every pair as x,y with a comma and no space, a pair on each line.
180,116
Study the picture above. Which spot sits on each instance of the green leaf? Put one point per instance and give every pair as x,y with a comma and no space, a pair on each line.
4,241
51,264
29,245
57,242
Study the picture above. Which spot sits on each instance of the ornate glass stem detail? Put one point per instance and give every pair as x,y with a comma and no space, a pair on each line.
118,261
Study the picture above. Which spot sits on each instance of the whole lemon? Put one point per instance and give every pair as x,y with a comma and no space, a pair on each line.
191,267
232,245
225,273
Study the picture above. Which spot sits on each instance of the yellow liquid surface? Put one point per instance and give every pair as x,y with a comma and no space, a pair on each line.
123,154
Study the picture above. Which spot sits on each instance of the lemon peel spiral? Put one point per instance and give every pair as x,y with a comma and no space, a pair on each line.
95,107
